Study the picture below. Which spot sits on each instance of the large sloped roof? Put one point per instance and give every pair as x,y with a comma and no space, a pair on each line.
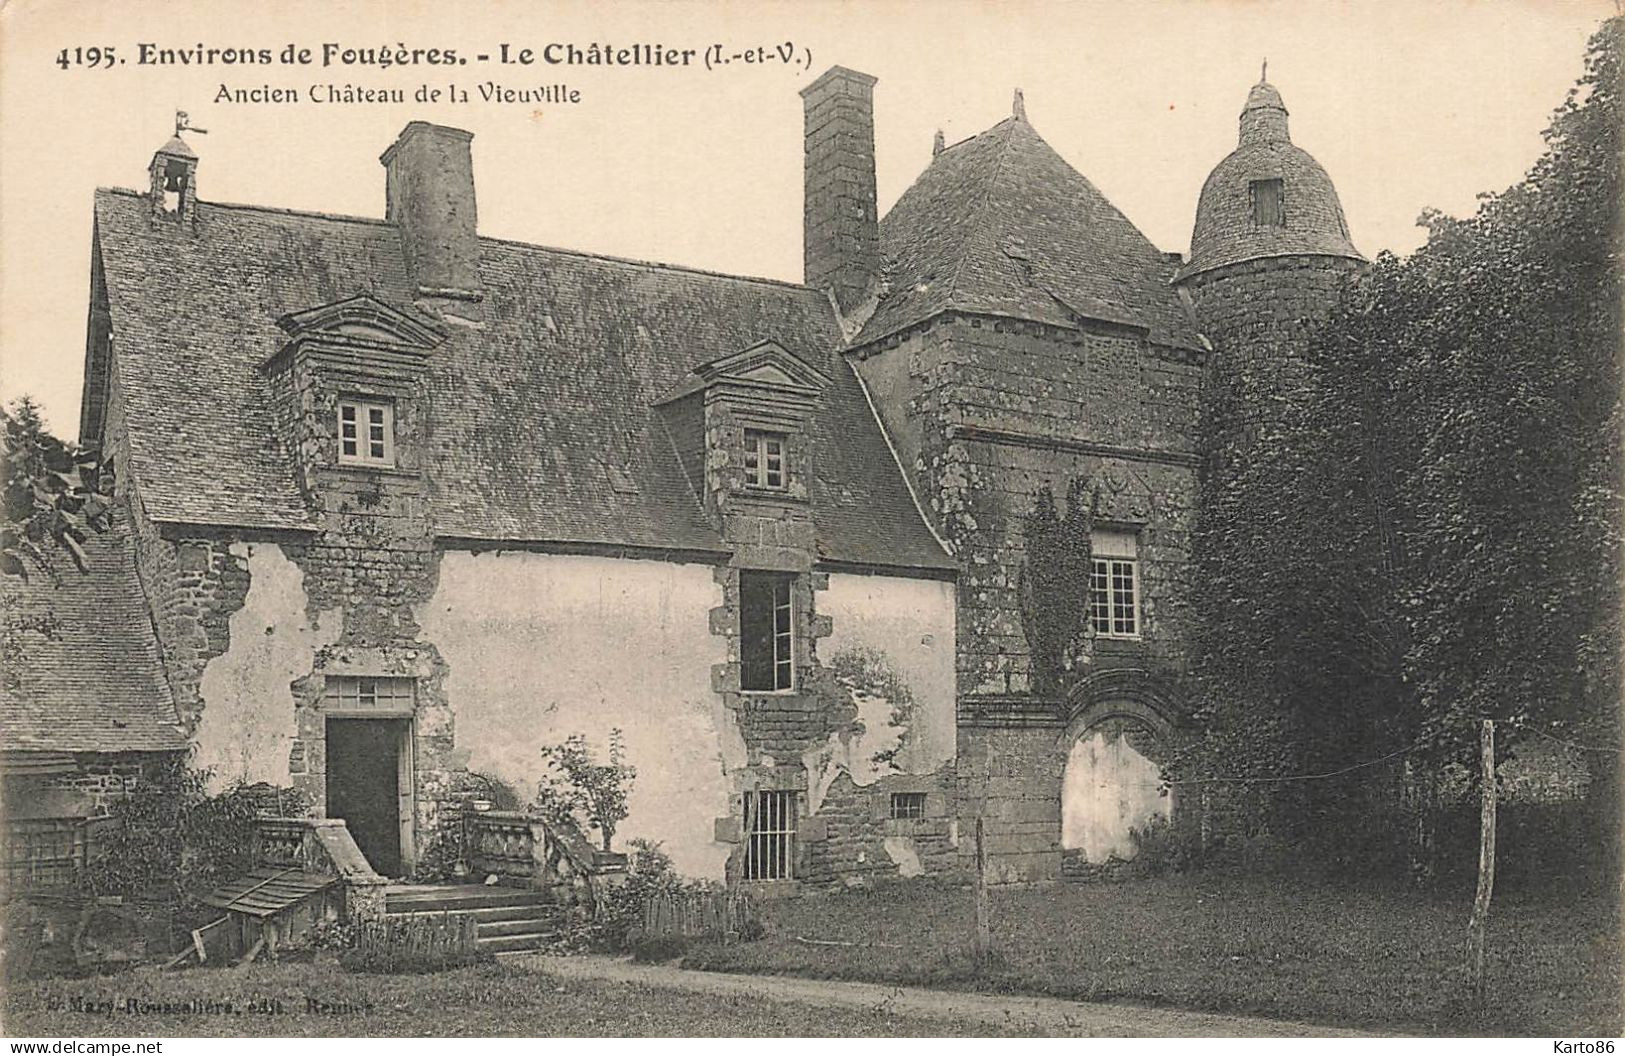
1001,224
85,675
542,426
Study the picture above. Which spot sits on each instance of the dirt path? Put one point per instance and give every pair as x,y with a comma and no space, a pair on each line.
1045,1015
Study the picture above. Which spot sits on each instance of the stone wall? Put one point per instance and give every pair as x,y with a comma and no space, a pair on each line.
986,413
87,791
1260,315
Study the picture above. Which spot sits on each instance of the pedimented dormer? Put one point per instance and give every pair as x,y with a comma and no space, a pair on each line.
348,385
742,427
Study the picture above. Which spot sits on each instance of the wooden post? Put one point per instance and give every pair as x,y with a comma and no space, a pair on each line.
984,931
1486,858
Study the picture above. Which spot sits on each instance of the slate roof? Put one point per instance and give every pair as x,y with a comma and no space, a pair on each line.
1225,232
1001,224
541,427
94,684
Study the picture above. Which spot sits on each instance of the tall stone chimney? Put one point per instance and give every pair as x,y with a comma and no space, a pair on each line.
429,189
840,233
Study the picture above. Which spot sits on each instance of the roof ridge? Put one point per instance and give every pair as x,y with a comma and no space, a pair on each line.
373,221
974,228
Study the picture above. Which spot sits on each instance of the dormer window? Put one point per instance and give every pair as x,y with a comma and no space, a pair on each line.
1268,209
764,460
366,432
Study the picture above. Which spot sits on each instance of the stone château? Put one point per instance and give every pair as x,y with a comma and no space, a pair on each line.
400,504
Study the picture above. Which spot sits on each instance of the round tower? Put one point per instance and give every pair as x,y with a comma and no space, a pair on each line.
1268,253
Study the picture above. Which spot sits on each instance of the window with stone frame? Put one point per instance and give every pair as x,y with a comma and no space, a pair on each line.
1114,585
765,461
1269,210
366,432
770,828
766,631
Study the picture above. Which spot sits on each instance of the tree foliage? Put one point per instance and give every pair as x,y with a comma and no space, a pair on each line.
576,789
1425,530
56,495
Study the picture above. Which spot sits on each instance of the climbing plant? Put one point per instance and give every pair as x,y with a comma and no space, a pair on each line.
1054,587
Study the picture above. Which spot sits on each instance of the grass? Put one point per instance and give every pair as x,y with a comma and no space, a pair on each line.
507,999
1347,956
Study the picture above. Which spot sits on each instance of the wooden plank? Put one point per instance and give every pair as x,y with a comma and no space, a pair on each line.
1478,927
984,928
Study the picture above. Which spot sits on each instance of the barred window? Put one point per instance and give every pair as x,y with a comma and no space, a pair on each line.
1114,594
766,632
366,432
390,696
770,819
764,460
908,804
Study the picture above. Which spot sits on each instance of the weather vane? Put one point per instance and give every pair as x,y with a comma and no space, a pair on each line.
183,123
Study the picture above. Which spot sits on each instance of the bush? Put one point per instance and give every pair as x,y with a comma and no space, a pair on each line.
617,921
1162,847
172,840
576,789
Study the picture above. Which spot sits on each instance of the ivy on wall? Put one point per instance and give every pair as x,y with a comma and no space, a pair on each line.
1054,587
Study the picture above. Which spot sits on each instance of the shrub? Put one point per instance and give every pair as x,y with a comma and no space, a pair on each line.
171,839
657,949
581,791
1161,847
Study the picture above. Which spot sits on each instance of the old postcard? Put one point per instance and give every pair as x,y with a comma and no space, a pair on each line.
842,519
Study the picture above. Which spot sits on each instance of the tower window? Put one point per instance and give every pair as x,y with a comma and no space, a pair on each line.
1268,209
366,433
1114,601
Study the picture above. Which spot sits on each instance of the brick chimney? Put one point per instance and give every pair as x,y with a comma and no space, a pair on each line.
429,195
840,233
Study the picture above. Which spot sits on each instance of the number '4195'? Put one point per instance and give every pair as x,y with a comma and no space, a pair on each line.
89,57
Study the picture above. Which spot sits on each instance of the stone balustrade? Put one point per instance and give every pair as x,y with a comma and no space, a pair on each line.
525,850
322,845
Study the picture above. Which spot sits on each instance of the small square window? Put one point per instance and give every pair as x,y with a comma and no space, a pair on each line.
906,805
366,432
764,460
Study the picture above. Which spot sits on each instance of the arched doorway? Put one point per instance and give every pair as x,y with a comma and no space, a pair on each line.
1111,780
1109,788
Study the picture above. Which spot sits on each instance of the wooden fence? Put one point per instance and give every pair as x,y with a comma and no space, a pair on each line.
417,939
721,914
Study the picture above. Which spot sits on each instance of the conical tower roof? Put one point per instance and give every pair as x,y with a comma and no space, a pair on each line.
1229,228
